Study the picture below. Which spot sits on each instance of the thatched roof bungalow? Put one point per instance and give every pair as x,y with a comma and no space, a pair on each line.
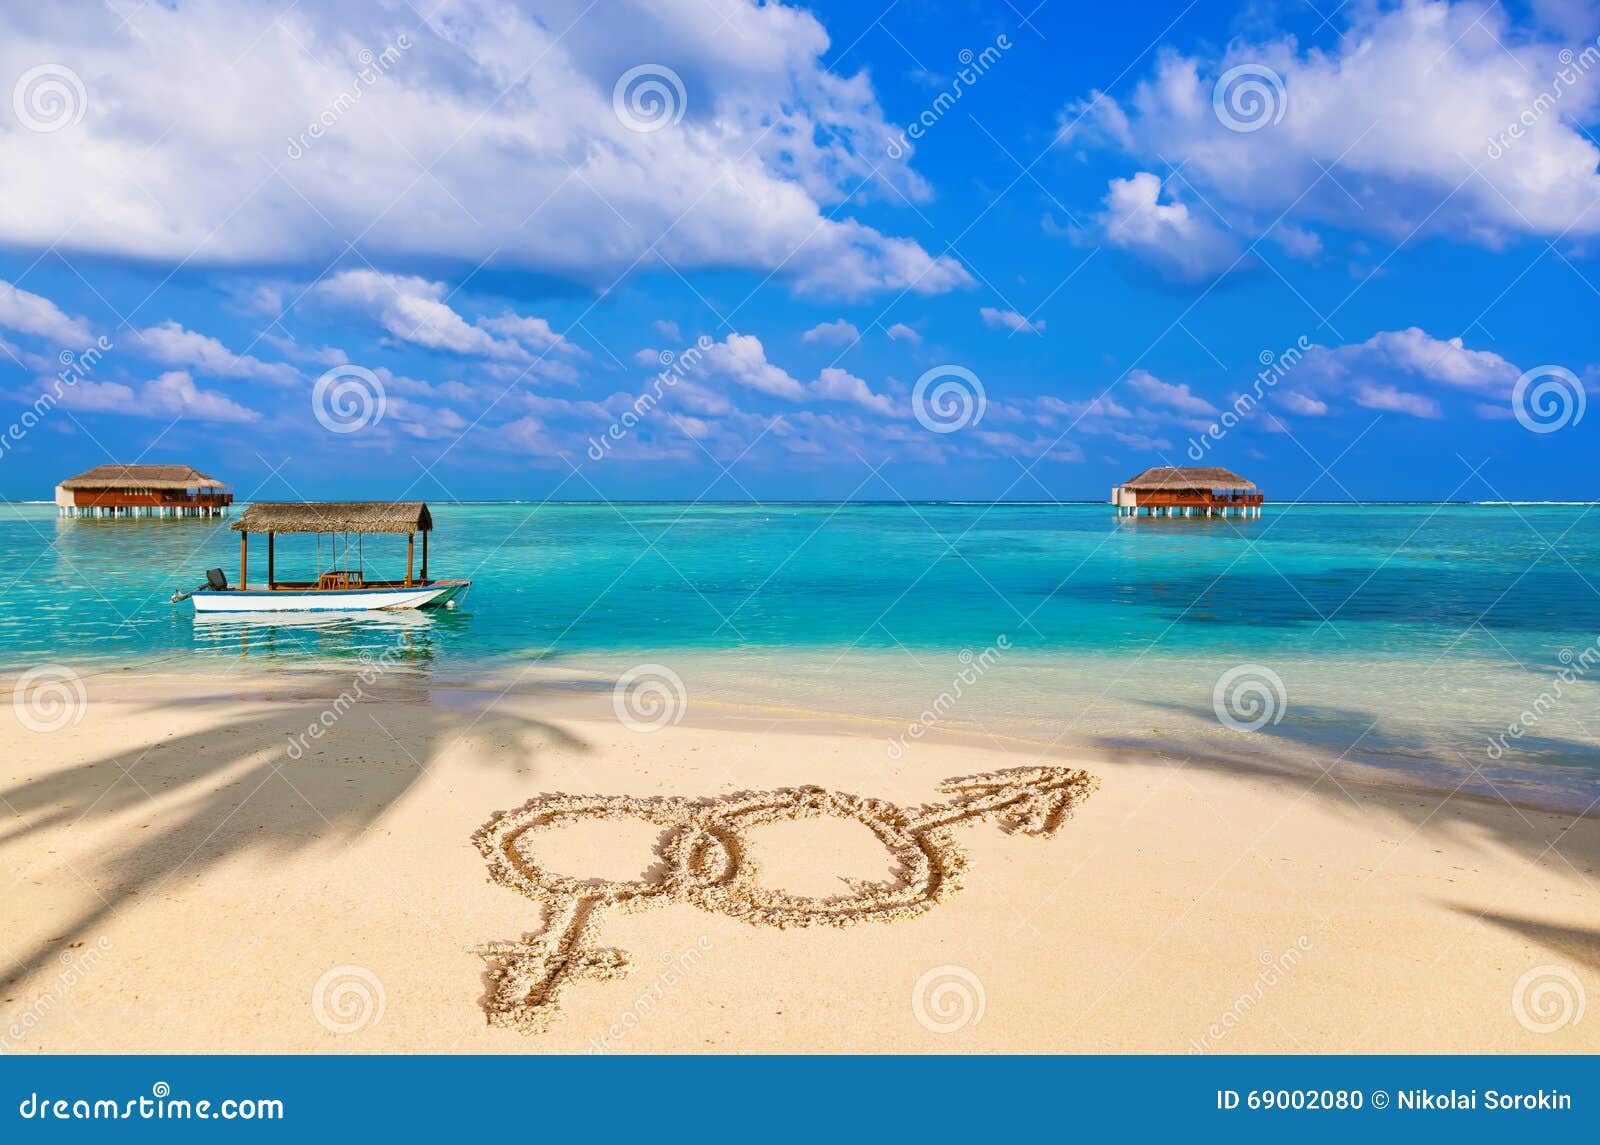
117,490
1170,491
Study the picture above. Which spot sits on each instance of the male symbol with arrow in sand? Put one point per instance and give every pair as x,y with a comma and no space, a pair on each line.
708,864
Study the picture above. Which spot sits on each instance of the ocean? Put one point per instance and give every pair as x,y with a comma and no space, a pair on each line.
1456,644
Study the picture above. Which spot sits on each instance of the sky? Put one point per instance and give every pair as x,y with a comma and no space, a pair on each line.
712,249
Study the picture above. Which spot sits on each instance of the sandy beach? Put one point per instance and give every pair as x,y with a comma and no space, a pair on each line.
187,871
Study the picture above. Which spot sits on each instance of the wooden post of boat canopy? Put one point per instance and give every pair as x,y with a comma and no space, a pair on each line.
270,570
411,545
244,556
424,558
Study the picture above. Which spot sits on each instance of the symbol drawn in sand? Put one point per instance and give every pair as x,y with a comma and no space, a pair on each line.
707,863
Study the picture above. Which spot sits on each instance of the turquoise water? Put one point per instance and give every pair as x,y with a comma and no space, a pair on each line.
1406,634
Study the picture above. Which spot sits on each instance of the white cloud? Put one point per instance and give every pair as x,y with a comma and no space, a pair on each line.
491,137
839,385
1303,404
835,333
172,395
415,310
742,358
1392,129
531,332
1175,396
172,345
1395,400
900,332
1168,235
1009,320
29,313
1372,373
1448,362
667,329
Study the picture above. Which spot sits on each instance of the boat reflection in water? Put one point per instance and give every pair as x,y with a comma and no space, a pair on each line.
406,641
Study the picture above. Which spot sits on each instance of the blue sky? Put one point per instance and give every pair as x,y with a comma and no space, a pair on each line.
936,250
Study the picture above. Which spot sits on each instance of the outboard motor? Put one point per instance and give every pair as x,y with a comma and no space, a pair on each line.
216,579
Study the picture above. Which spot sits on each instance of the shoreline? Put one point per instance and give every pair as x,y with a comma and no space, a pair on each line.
586,692
211,875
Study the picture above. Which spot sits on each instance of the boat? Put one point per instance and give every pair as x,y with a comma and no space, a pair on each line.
345,585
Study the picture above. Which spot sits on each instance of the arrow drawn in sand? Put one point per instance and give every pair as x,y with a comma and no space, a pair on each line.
706,862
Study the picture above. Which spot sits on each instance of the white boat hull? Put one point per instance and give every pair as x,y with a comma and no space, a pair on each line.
232,600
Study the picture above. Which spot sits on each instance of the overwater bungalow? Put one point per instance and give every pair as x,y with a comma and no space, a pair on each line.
1167,491
143,491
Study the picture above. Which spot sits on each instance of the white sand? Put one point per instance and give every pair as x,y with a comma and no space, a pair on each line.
175,881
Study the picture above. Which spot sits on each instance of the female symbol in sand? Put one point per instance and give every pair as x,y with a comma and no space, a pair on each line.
705,861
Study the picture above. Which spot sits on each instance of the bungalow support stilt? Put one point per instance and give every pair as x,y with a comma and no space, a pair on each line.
411,547
244,558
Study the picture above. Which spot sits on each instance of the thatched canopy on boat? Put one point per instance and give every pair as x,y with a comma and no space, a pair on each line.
142,477
1172,479
335,517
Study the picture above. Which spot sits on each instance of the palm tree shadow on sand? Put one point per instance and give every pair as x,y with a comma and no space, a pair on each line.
239,788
